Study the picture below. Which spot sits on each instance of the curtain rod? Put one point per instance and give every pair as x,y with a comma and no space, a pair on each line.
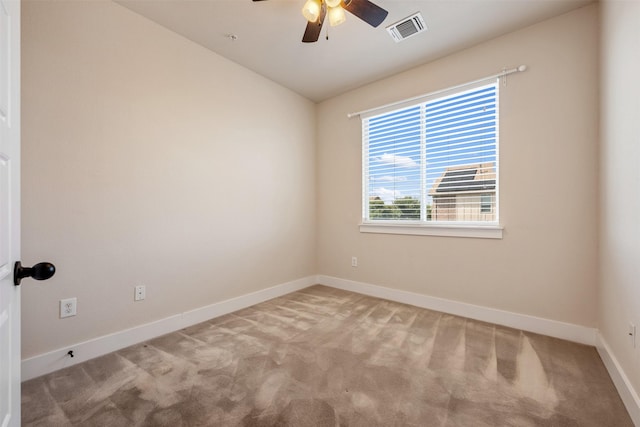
504,73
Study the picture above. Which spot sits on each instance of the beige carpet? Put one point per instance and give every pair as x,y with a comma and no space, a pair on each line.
325,357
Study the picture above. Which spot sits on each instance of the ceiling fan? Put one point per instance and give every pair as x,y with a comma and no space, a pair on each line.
315,11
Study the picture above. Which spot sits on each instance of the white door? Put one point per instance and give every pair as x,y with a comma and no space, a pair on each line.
9,212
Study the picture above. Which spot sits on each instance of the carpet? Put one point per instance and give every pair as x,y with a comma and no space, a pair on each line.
327,357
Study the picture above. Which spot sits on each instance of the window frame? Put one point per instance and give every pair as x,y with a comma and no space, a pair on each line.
473,229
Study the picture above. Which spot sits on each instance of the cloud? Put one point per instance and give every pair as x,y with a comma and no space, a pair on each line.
389,178
401,161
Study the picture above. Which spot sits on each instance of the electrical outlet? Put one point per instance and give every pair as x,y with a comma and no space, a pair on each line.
632,335
140,293
354,261
68,307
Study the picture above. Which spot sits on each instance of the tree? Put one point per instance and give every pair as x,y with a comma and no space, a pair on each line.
403,208
409,207
378,209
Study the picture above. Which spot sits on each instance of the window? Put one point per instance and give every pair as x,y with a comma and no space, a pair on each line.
433,163
486,203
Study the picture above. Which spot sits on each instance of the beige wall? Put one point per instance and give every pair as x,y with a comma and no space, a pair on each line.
546,263
150,160
142,166
619,296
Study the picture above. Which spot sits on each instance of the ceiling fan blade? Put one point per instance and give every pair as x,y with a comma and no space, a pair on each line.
370,13
312,32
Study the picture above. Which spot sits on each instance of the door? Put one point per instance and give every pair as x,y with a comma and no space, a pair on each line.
9,212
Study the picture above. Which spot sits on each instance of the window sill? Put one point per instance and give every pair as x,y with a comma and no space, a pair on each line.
457,230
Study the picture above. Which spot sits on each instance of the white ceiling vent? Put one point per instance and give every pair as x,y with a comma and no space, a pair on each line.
407,27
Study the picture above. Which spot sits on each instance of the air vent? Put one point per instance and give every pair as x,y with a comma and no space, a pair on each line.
407,27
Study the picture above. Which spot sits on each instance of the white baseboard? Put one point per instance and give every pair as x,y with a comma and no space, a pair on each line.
567,331
620,379
58,359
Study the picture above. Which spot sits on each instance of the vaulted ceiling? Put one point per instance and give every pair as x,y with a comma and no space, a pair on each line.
265,36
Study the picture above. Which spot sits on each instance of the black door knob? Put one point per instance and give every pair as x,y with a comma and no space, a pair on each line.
40,271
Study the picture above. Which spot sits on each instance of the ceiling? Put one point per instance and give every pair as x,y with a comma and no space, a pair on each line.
268,36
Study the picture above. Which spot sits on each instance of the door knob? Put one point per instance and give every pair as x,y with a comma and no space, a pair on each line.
40,271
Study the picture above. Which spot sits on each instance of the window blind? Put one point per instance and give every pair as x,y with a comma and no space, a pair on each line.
434,161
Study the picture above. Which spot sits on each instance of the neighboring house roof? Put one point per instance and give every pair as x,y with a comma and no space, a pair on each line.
475,178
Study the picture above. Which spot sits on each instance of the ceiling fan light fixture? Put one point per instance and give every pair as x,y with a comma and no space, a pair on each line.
336,15
333,3
311,10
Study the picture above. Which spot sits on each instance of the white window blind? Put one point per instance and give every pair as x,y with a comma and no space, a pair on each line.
435,161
